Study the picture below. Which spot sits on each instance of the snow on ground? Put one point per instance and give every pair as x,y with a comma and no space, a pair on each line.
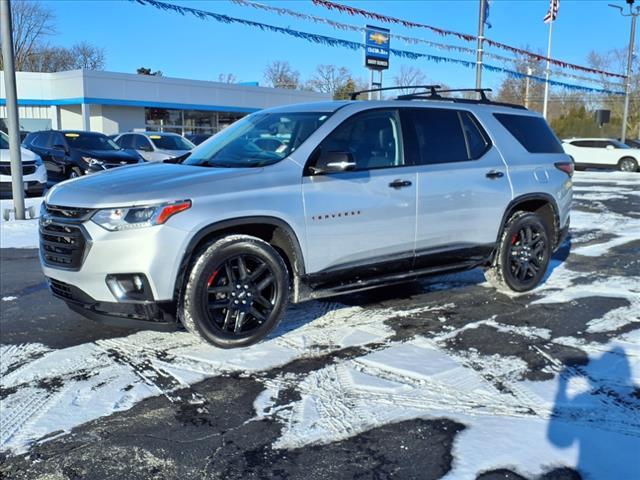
19,233
556,422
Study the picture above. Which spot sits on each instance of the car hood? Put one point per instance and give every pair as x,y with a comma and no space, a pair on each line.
171,153
26,155
110,156
142,184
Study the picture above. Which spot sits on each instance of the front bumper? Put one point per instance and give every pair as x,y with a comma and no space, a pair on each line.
156,252
34,183
148,315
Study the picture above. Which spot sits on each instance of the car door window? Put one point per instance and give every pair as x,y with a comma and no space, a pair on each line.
436,136
125,141
140,142
57,139
372,139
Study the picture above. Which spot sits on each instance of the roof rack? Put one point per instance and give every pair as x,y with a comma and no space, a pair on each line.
433,92
431,88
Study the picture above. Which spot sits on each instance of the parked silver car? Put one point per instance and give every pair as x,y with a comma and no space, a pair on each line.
308,201
155,146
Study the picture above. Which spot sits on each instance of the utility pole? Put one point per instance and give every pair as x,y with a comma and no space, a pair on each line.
627,87
17,187
547,72
481,21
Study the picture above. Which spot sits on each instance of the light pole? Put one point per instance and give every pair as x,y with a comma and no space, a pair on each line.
17,188
480,48
627,89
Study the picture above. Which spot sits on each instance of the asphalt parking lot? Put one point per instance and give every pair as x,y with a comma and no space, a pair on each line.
443,378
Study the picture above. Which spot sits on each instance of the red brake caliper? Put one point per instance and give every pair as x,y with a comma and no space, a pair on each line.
514,238
212,278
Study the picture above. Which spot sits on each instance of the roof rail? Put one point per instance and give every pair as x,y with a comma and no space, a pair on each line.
431,88
435,95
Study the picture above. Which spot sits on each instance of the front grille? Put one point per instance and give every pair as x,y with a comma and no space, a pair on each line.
27,169
68,213
60,289
62,245
63,240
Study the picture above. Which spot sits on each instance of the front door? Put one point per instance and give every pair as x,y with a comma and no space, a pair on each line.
462,183
362,222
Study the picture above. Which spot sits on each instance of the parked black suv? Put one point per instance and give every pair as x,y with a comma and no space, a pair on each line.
69,153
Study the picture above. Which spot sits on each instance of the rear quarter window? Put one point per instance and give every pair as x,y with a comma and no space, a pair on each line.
533,133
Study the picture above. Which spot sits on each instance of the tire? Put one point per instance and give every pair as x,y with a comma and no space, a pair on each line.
236,292
628,164
74,172
524,244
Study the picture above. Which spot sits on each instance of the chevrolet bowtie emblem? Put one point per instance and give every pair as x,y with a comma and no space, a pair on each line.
378,38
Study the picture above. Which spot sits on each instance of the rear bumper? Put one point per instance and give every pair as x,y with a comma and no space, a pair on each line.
158,316
563,233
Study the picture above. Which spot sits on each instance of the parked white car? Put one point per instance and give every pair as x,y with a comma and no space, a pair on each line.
34,174
602,153
155,146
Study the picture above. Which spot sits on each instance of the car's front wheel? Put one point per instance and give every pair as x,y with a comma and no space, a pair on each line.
236,293
628,165
523,254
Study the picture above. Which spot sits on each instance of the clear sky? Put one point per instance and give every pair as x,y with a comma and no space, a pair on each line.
185,46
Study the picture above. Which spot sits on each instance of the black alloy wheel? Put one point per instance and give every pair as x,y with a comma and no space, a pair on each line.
527,253
236,293
240,294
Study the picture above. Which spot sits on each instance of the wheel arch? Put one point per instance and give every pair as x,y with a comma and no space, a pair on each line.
541,203
275,231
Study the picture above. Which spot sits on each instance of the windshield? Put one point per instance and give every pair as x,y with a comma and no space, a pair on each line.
257,140
90,142
4,141
171,142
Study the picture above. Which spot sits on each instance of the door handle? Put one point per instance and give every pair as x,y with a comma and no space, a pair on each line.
400,184
494,174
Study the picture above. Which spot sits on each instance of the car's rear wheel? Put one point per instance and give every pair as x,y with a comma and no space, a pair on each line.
237,292
628,165
523,254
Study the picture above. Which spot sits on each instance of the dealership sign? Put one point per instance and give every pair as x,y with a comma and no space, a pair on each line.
376,48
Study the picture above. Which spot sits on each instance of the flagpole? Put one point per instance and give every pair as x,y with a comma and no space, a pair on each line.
480,49
548,70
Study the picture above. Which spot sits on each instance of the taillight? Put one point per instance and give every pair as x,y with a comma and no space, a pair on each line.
566,167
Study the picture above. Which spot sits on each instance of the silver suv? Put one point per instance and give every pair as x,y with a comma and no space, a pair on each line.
308,201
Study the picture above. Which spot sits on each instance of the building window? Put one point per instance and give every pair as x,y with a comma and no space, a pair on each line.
188,122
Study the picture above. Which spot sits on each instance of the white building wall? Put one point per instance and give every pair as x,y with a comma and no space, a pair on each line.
70,117
121,119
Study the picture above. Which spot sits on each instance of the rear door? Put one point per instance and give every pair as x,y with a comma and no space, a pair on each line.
362,223
463,187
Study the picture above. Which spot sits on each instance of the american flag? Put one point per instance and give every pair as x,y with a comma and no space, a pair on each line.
552,14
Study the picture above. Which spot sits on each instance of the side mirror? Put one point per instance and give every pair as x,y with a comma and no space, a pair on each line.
145,148
60,148
333,162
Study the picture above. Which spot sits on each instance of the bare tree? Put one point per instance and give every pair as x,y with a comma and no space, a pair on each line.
87,56
279,74
329,79
409,76
32,22
227,78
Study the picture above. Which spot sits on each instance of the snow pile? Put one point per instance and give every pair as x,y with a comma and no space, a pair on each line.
19,233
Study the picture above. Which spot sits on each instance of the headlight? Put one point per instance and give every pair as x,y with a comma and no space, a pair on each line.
93,162
128,218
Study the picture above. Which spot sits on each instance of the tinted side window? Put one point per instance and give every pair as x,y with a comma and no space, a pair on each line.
477,140
125,141
533,133
581,143
434,136
57,139
372,138
141,142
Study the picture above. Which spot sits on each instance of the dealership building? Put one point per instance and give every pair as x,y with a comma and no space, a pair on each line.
110,102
